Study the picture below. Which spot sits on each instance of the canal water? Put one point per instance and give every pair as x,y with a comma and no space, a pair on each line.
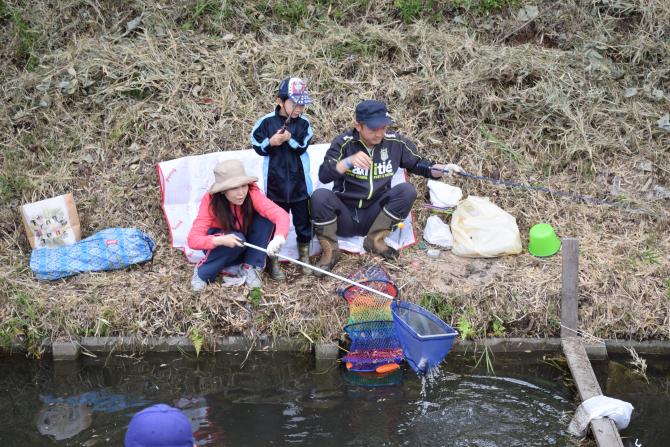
648,389
285,399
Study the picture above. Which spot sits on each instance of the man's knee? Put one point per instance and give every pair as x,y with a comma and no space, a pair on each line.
405,191
322,204
321,196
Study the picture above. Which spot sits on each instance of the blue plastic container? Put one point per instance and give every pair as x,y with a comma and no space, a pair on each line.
424,337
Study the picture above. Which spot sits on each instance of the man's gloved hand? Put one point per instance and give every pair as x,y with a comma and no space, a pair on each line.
275,245
453,168
438,170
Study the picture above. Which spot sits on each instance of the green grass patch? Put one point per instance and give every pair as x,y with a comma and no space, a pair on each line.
198,340
292,11
26,36
503,147
485,6
437,304
24,322
201,9
13,185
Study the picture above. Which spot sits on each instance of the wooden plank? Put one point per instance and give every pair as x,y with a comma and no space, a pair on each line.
604,431
580,366
569,285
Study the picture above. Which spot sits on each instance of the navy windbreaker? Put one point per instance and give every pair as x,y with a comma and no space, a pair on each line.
286,167
360,187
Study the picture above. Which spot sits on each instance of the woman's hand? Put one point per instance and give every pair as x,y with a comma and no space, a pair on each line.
227,240
275,245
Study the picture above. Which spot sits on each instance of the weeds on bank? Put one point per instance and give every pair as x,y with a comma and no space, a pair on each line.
200,9
198,340
12,186
26,36
440,306
638,364
23,325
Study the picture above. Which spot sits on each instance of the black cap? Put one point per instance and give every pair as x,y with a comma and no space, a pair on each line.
373,114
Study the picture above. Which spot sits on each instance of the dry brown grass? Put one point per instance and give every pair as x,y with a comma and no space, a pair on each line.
543,104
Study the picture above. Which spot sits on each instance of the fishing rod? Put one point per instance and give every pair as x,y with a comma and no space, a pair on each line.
298,97
288,119
554,192
325,272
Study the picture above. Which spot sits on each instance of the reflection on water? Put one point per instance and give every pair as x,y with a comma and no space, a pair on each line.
280,399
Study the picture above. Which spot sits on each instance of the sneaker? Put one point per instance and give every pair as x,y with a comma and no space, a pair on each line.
252,276
197,284
232,276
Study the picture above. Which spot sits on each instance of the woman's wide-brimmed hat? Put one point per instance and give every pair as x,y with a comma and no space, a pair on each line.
230,174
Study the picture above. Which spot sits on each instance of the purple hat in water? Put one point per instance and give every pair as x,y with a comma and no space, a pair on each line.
159,425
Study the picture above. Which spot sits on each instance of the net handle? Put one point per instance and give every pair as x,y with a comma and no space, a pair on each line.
325,272
343,293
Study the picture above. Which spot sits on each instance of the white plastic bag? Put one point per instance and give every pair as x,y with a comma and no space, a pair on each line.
483,230
599,407
438,232
444,195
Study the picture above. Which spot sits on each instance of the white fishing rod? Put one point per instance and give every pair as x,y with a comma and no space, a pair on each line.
325,272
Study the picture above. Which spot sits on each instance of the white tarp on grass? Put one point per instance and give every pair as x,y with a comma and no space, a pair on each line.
185,180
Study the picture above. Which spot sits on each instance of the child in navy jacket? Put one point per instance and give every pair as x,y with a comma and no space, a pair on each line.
282,138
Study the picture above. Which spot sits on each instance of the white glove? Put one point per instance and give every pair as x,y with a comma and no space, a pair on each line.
453,168
275,245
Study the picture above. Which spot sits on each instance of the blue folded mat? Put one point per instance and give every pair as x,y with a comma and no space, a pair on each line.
109,249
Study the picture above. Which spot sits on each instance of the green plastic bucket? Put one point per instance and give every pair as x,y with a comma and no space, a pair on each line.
543,241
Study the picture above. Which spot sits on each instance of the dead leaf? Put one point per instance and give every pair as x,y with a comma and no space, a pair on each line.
664,122
630,92
527,13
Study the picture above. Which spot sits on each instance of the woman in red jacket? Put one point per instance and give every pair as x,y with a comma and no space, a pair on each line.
235,211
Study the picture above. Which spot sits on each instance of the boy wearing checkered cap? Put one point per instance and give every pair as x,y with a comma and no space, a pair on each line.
282,138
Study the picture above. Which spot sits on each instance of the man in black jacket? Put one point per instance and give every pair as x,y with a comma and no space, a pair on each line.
361,162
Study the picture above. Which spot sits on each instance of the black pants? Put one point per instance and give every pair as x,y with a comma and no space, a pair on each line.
327,207
301,222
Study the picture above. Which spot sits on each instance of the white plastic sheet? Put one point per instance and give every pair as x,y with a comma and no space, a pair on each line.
185,180
599,407
444,195
438,233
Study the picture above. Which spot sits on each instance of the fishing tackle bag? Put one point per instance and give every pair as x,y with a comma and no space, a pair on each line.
109,249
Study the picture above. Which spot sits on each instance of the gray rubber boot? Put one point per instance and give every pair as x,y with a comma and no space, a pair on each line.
274,269
303,256
330,252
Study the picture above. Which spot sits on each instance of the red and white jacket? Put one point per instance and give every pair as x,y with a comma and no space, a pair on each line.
198,239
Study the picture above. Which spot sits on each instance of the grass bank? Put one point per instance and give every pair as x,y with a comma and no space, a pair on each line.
570,95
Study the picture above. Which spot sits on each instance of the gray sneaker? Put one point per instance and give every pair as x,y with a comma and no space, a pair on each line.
197,284
252,276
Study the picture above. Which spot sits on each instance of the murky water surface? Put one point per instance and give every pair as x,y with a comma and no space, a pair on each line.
648,392
285,399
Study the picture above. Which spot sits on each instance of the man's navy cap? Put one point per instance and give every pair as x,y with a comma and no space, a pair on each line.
294,89
159,425
373,114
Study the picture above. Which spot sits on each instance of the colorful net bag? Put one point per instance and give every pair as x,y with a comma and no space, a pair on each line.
370,327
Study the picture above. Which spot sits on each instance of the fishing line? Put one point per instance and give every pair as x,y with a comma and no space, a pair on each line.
575,197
